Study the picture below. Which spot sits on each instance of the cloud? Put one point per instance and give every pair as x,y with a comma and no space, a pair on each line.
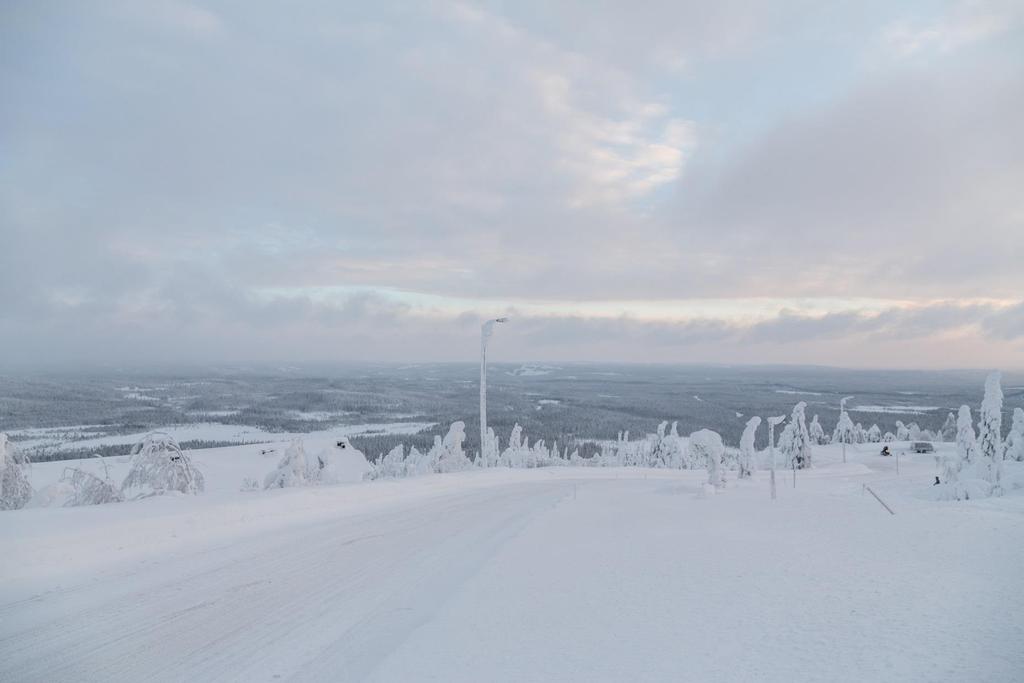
1007,323
964,24
218,175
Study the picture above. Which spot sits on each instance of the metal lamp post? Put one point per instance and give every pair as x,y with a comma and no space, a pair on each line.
772,421
842,409
485,333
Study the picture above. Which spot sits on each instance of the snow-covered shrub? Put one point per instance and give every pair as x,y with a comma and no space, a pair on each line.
89,489
795,442
418,463
706,446
341,463
990,445
874,434
1015,439
15,489
889,437
816,432
519,453
249,484
292,470
337,464
158,465
747,461
392,465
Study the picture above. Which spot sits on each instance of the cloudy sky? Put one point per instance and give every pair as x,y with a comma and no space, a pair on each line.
737,181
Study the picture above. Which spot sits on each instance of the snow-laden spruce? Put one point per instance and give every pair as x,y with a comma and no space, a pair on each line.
15,489
747,460
158,466
975,471
990,442
450,456
291,470
902,431
948,430
874,434
845,431
1015,439
795,442
706,446
817,432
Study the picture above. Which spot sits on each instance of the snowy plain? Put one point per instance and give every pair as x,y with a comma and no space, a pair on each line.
567,574
67,438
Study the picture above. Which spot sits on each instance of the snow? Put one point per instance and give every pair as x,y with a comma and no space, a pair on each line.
561,574
532,370
69,438
798,393
895,410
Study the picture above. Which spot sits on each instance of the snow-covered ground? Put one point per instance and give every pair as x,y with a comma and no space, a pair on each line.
558,574
76,437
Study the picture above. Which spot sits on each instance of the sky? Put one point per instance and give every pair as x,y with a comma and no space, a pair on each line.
665,181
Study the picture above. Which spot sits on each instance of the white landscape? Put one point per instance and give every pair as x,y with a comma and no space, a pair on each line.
537,567
555,341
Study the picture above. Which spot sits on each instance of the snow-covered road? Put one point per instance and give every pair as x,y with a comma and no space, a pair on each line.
542,575
328,603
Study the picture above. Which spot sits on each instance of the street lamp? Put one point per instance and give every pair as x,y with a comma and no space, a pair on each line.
842,409
772,421
485,333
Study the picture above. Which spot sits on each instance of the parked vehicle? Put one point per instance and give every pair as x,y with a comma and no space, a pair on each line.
922,447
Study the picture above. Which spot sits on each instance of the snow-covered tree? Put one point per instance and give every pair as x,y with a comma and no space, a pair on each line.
668,448
795,442
874,434
391,465
158,465
959,478
914,431
706,445
292,470
517,454
15,489
844,431
1015,439
966,441
747,459
951,488
340,463
889,437
816,432
451,457
860,435
902,432
990,443
418,463
949,430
